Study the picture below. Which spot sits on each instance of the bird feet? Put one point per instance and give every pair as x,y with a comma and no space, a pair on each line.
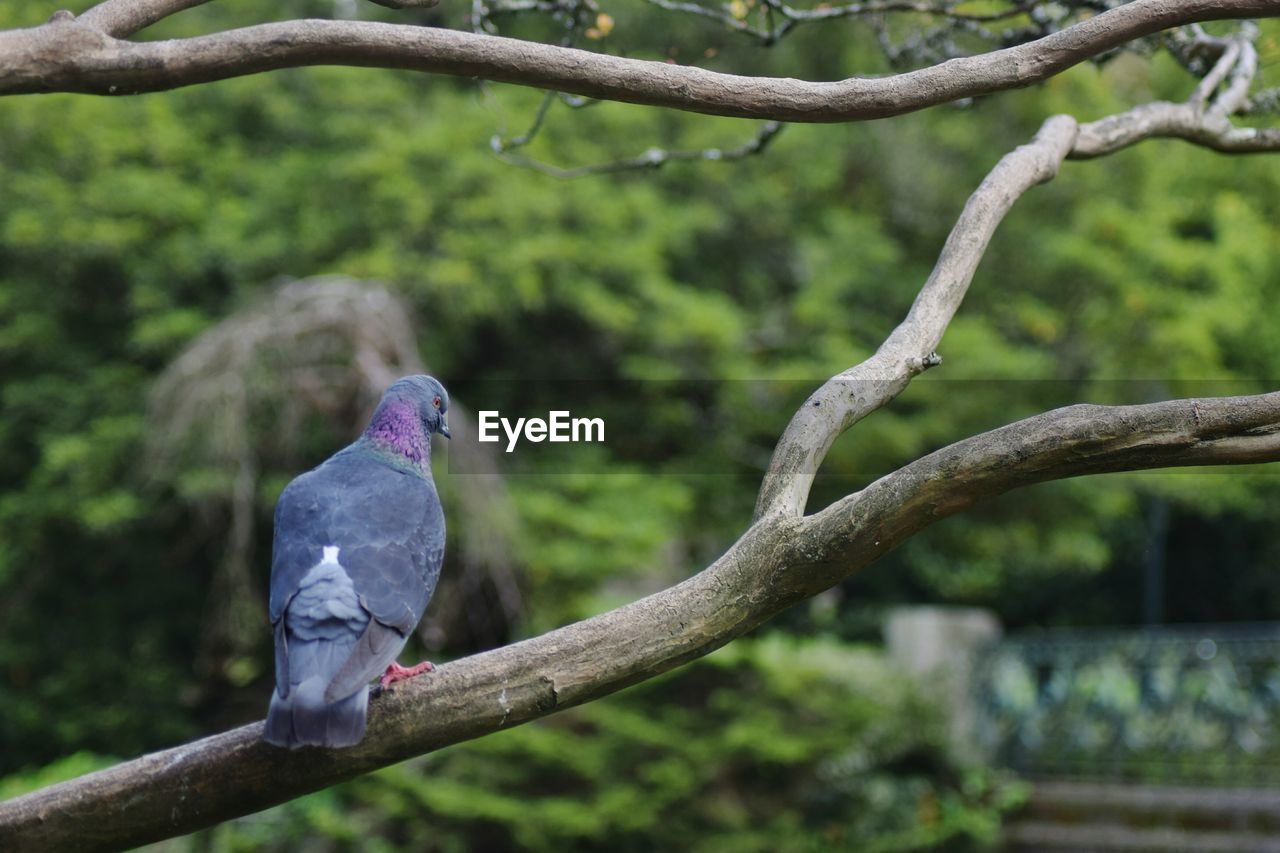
396,672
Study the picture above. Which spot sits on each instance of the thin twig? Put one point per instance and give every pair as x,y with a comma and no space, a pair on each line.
650,159
792,16
1216,75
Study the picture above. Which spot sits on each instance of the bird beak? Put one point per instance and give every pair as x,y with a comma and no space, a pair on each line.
444,427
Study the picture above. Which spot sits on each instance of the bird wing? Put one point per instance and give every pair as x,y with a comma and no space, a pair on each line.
386,532
377,647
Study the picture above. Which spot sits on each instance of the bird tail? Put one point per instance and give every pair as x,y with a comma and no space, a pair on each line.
303,718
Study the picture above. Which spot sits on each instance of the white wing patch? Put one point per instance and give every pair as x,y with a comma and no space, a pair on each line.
325,595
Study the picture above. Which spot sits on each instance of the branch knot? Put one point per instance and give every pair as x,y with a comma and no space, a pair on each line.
919,365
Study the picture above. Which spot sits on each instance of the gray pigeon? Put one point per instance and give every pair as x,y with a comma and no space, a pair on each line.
358,546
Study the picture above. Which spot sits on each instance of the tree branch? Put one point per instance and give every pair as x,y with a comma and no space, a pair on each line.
180,790
782,559
69,56
1069,442
1216,75
121,18
1237,92
848,397
1173,121
775,564
1192,121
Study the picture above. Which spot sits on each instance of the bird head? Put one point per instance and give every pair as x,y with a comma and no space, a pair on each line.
428,397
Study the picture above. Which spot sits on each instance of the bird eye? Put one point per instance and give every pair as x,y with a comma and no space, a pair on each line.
436,402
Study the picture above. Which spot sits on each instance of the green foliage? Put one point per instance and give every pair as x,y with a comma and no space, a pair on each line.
589,534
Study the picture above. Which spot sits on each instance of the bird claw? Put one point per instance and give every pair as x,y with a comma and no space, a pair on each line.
396,672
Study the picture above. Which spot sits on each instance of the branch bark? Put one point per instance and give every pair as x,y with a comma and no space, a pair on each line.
857,392
70,55
850,396
1069,442
775,564
1194,121
1172,121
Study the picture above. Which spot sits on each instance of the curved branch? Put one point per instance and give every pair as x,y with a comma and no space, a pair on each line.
69,56
1237,92
774,565
857,392
1217,74
1194,122
1162,119
180,790
779,561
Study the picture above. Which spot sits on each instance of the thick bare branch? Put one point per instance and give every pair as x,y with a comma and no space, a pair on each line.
121,18
1069,442
67,55
180,790
775,564
779,561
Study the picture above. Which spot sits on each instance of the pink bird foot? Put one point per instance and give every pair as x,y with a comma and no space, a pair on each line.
396,672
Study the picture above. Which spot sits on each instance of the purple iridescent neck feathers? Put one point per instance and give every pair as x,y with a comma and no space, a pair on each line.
397,429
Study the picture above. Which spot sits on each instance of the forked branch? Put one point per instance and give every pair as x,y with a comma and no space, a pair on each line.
857,392
774,565
1200,120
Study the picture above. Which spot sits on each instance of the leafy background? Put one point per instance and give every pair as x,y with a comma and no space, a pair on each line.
131,226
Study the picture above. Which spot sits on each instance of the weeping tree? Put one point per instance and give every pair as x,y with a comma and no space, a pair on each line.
943,53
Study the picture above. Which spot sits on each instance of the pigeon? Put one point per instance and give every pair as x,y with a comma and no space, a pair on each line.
357,552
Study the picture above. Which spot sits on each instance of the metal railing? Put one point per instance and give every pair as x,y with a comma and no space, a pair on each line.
1188,705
